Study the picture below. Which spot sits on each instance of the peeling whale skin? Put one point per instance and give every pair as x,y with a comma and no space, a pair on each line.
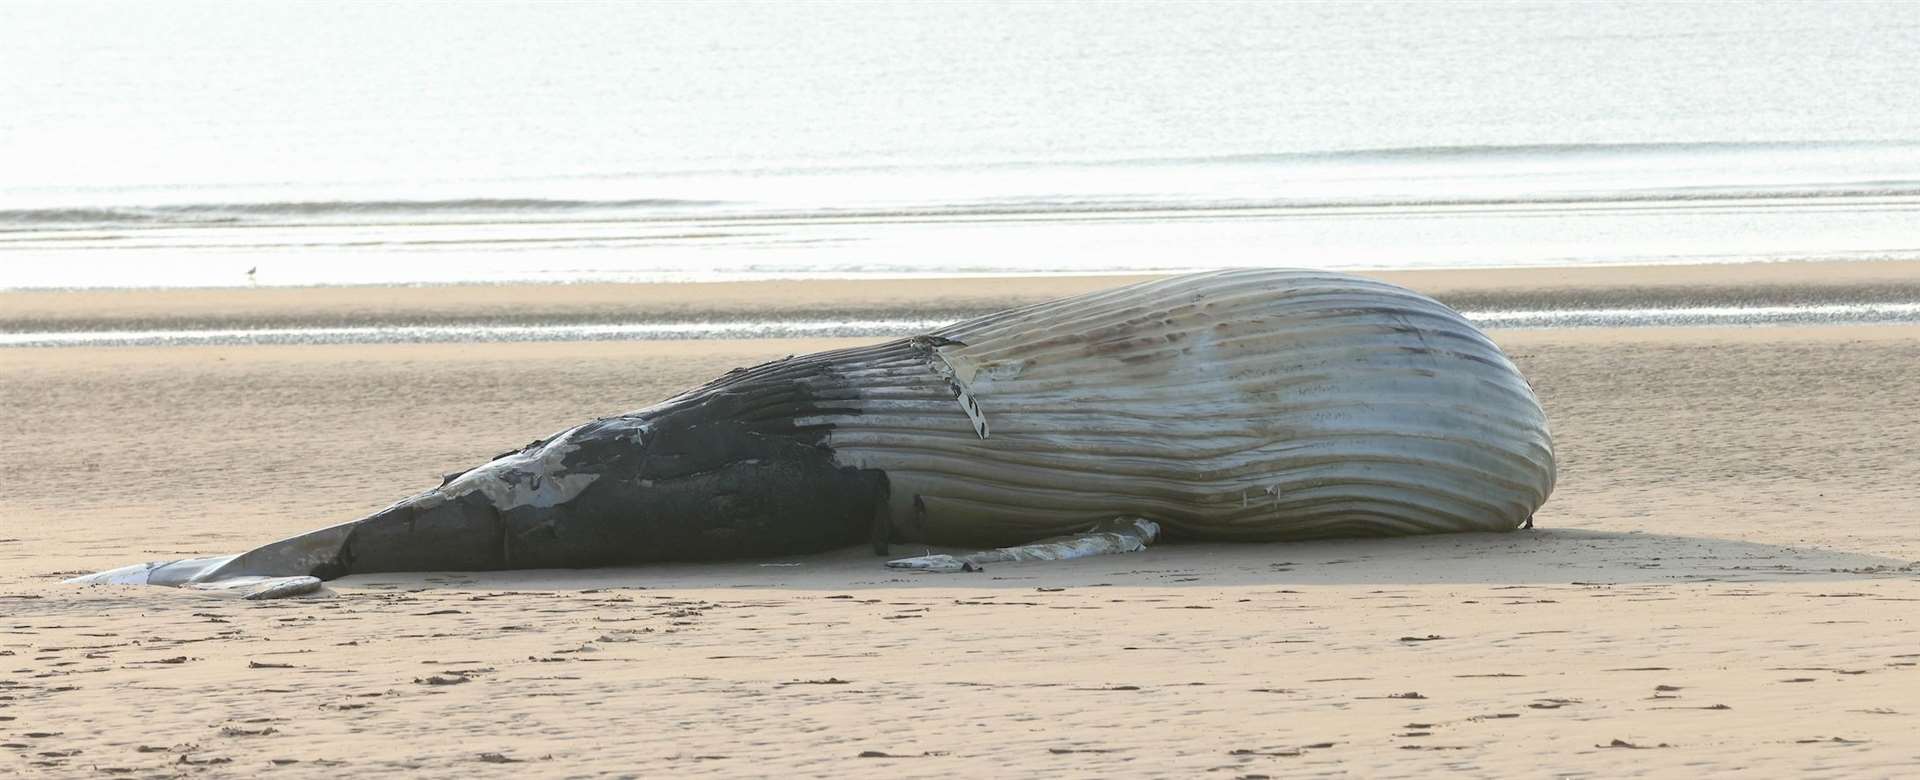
1245,405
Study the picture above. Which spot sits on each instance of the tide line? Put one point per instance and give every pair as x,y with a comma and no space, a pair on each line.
1821,314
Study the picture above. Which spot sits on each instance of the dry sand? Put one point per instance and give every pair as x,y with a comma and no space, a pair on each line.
1723,583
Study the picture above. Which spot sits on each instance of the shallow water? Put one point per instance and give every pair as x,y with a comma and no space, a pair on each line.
1829,314
317,144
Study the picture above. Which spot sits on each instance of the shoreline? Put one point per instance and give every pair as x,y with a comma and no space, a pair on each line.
930,298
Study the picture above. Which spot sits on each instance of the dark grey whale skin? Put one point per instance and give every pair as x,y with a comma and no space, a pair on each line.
724,471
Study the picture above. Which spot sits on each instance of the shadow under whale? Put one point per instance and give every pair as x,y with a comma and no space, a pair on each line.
1560,556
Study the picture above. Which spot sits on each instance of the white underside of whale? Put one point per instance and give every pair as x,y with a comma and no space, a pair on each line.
1248,405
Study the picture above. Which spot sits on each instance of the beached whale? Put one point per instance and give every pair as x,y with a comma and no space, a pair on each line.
1247,405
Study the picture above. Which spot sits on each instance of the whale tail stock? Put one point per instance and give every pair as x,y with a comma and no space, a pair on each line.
294,566
196,574
692,479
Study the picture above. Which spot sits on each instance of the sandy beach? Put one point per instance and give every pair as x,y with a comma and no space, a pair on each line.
1722,584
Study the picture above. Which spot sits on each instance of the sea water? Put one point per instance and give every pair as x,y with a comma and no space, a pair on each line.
229,144
1680,316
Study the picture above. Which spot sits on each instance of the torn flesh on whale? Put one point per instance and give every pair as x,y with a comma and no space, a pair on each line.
1251,405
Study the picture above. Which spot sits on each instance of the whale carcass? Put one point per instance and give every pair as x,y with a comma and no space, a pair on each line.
1244,405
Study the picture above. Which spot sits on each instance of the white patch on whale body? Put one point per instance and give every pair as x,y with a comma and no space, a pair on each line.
524,479
959,373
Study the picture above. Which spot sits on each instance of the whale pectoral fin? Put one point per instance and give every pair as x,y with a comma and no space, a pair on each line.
1119,535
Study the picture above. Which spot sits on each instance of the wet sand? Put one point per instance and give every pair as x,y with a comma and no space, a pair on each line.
880,299
1723,582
